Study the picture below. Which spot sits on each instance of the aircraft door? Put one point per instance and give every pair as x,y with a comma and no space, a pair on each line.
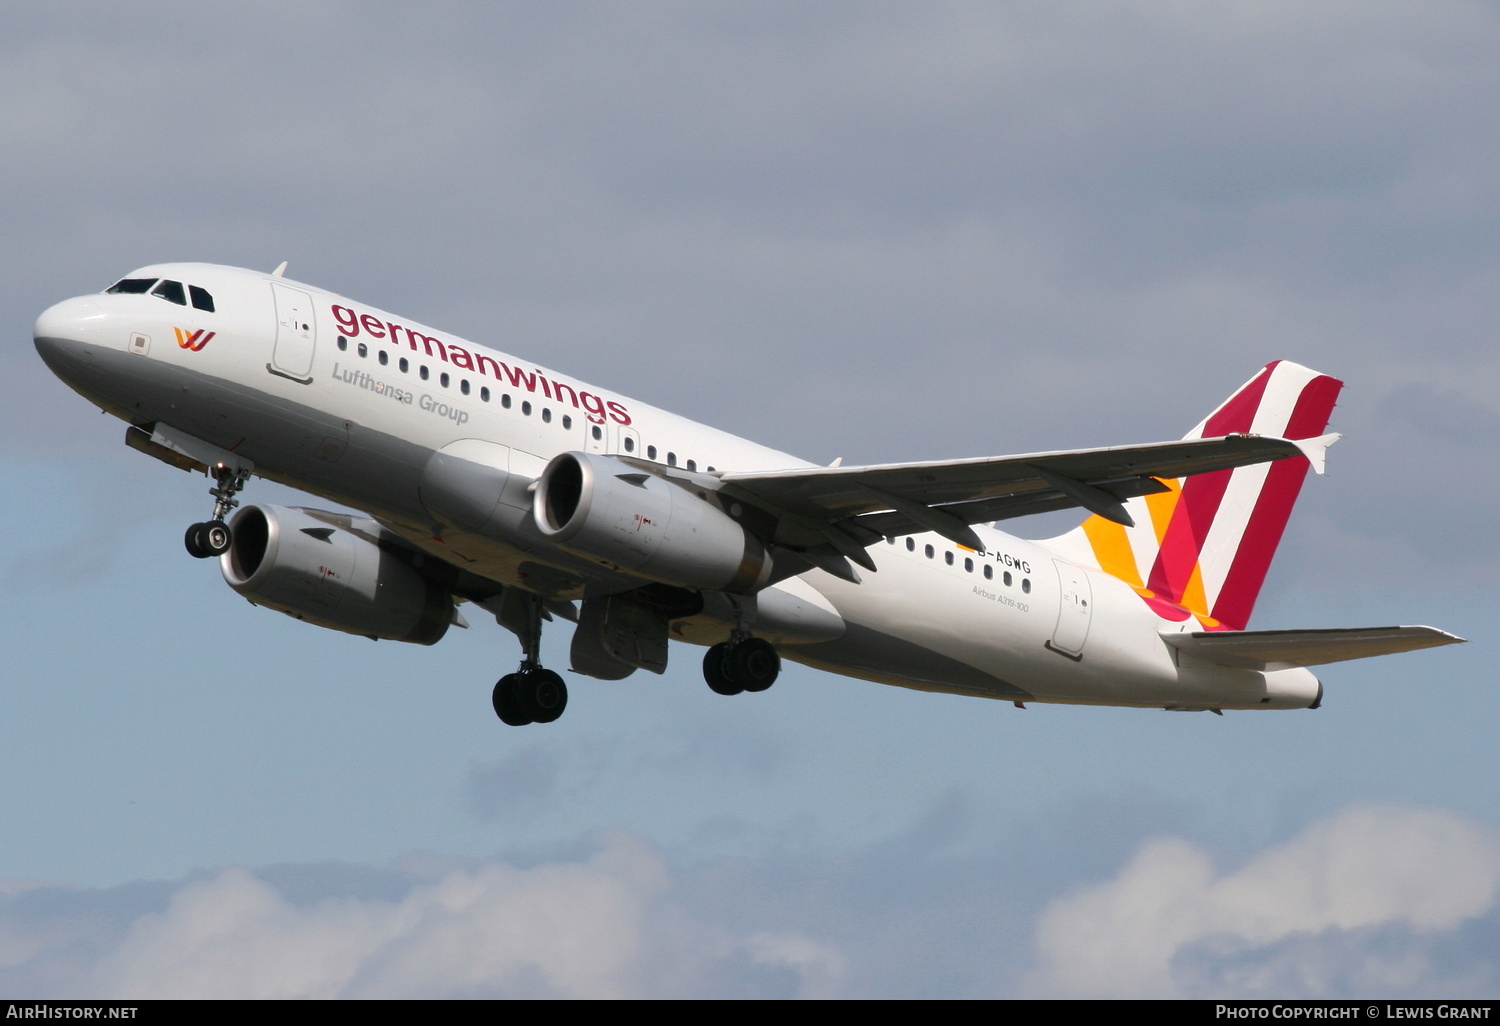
1074,613
296,333
624,441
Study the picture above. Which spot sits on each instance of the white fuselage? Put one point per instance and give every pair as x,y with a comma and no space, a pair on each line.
348,402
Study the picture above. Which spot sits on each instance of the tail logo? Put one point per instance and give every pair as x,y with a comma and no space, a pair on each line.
1202,548
193,341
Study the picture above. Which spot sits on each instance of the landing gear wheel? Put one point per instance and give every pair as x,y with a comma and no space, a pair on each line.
542,695
216,537
531,694
193,542
505,703
211,538
754,664
715,662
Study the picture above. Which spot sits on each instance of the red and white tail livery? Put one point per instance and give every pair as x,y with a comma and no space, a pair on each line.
1203,546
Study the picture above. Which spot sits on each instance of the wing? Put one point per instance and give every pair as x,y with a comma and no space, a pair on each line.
828,514
1278,650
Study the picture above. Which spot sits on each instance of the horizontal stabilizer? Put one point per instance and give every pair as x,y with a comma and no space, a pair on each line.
1280,650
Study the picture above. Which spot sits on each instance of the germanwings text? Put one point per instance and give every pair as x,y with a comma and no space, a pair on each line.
352,324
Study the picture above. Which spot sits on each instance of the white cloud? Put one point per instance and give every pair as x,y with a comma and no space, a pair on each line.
1419,871
1373,901
600,928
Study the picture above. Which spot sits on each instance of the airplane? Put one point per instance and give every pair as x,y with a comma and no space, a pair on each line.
487,480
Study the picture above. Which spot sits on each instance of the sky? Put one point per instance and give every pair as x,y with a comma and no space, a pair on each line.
867,230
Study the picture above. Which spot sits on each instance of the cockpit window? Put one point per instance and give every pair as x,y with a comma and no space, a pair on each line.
201,299
132,286
171,291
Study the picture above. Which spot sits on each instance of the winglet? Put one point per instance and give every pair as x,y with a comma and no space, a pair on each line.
1316,449
280,270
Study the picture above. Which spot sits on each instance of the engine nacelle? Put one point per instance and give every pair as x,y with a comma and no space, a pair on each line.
335,577
630,520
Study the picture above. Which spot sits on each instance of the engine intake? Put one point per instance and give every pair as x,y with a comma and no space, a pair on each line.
631,520
335,577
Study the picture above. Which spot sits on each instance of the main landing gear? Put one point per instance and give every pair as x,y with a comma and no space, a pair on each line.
741,664
531,694
213,537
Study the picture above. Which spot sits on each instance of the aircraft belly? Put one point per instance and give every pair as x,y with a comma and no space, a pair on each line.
925,625
886,659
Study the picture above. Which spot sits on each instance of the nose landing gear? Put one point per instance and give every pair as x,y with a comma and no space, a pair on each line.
207,539
213,537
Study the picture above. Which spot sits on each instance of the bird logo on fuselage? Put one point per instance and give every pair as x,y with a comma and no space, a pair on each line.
193,341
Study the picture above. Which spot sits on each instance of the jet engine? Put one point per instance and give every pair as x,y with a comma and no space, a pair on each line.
333,573
631,520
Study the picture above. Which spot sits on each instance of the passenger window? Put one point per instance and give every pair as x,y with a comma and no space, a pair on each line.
505,400
546,415
597,432
422,372
443,379
201,299
403,365
484,393
171,291
343,343
1007,578
131,286
463,386
692,467
567,422
629,444
364,350
968,565
671,459
911,544
385,358
650,452
989,572
929,552
526,408
948,558
1026,585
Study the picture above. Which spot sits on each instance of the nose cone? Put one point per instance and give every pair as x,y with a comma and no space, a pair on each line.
65,333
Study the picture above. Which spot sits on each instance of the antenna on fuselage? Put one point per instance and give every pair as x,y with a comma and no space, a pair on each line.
280,270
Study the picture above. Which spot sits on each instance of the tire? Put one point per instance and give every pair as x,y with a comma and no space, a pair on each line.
754,664
542,695
504,700
195,543
715,662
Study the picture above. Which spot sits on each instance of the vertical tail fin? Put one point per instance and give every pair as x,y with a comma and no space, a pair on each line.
1203,547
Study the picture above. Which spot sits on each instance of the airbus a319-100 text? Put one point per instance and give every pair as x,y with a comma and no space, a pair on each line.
487,480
